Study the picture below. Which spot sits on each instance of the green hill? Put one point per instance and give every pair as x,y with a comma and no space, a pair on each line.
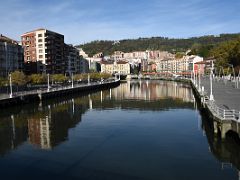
199,45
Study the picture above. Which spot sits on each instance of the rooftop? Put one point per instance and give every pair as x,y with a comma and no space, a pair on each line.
40,29
7,39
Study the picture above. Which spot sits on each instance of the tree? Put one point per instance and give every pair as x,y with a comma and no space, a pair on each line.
18,78
3,81
225,53
59,78
179,55
37,78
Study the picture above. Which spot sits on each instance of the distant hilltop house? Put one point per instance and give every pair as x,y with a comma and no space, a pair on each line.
11,56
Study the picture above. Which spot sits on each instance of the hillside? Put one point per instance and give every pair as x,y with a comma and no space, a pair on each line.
203,44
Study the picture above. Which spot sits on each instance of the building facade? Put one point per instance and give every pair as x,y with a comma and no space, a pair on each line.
181,66
72,60
121,67
45,49
11,56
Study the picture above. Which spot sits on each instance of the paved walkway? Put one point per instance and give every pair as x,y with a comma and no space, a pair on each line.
226,94
40,91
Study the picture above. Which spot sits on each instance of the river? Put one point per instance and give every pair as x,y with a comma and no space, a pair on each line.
139,130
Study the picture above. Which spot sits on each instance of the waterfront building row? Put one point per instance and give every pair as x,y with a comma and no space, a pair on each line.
40,51
46,52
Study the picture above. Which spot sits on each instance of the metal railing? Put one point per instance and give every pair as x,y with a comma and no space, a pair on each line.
223,114
55,89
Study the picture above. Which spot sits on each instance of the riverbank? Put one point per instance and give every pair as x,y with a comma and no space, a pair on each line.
225,120
42,95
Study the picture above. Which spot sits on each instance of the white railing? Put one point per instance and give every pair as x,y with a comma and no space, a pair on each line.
55,89
224,114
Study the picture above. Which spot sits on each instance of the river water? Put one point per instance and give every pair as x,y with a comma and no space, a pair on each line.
139,130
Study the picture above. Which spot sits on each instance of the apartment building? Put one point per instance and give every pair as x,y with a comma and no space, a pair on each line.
72,60
11,56
44,50
111,67
184,65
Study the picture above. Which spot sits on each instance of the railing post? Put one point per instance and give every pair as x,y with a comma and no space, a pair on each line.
224,114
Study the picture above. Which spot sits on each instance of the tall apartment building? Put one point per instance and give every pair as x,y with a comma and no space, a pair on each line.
11,56
72,60
43,51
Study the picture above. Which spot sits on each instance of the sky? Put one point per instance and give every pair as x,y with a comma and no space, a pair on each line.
82,21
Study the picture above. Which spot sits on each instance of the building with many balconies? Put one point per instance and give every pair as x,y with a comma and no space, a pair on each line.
11,56
45,50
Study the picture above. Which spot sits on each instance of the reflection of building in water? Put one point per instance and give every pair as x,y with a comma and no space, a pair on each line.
39,132
153,90
13,132
50,127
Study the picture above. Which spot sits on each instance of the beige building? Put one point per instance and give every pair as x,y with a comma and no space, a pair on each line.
183,65
121,67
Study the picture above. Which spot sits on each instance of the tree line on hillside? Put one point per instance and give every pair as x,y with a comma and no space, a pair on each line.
202,44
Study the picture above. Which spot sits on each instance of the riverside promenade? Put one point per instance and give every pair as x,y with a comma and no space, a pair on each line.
225,106
36,95
226,93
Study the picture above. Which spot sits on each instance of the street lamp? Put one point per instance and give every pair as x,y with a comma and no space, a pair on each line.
211,88
233,71
88,79
72,80
118,75
48,83
199,80
10,83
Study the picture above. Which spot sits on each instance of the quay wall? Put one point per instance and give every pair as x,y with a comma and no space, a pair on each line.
44,95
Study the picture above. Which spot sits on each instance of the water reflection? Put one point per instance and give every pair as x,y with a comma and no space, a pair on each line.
47,124
154,90
227,150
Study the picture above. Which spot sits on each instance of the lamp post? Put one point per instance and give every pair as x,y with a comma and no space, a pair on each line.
199,80
48,83
194,77
10,83
118,75
211,88
233,71
72,80
88,79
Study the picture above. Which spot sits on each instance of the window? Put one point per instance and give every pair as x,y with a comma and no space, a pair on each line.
39,35
40,45
40,56
40,51
39,40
